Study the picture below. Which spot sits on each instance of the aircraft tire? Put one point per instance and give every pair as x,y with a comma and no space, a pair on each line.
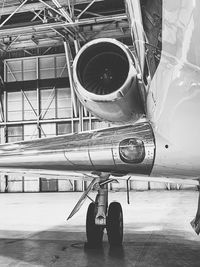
115,224
94,232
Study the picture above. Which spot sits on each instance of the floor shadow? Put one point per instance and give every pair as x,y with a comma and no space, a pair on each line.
61,248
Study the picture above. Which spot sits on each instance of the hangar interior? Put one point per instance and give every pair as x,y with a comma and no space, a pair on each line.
38,41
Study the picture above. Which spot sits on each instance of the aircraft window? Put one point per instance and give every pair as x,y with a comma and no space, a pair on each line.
132,150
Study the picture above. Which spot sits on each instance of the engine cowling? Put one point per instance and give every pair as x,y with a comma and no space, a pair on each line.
106,83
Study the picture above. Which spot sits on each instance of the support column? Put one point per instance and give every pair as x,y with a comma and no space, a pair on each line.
6,183
38,99
68,60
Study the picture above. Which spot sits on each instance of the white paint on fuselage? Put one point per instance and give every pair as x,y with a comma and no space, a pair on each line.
173,102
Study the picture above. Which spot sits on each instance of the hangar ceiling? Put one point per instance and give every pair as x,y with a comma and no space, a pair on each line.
38,41
32,24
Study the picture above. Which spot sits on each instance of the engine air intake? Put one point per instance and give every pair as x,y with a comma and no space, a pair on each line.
105,76
103,68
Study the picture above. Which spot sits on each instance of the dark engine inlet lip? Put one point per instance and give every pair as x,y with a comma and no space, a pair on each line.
103,72
107,97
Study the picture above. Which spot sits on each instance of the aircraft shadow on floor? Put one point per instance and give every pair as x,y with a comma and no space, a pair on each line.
67,248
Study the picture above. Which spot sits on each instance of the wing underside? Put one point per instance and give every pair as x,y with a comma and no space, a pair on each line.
121,150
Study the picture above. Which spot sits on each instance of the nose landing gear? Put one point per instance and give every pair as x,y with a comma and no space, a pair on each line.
100,216
114,226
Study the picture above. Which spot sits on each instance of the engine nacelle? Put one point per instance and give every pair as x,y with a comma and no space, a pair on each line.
106,83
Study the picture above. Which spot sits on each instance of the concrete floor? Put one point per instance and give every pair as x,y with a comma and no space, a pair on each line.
34,231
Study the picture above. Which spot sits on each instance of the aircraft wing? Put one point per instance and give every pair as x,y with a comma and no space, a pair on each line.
123,152
90,176
118,150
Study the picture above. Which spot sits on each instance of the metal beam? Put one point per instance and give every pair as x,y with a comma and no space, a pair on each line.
138,33
15,11
73,96
8,9
12,42
88,12
87,7
49,102
51,96
43,121
58,25
70,9
49,6
10,71
5,105
49,42
1,100
67,17
62,10
29,102
37,15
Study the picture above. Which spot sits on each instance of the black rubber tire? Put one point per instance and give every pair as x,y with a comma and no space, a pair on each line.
94,232
115,224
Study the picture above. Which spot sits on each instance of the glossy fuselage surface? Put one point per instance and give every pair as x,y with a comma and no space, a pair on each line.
125,149
174,97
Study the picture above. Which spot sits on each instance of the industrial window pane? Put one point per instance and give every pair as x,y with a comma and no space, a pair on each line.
1,112
48,129
30,104
30,131
29,69
14,70
96,124
64,112
15,116
47,103
61,68
15,133
2,135
14,183
15,130
75,126
48,185
14,106
86,125
64,128
64,103
46,67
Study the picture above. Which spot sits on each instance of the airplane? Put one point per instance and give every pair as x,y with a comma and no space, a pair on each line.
151,97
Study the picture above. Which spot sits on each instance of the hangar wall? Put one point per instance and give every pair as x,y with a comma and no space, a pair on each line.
36,101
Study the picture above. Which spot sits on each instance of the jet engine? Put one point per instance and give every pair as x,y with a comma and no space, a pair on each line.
106,81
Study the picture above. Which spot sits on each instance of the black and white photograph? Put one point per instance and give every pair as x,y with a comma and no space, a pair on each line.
99,133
